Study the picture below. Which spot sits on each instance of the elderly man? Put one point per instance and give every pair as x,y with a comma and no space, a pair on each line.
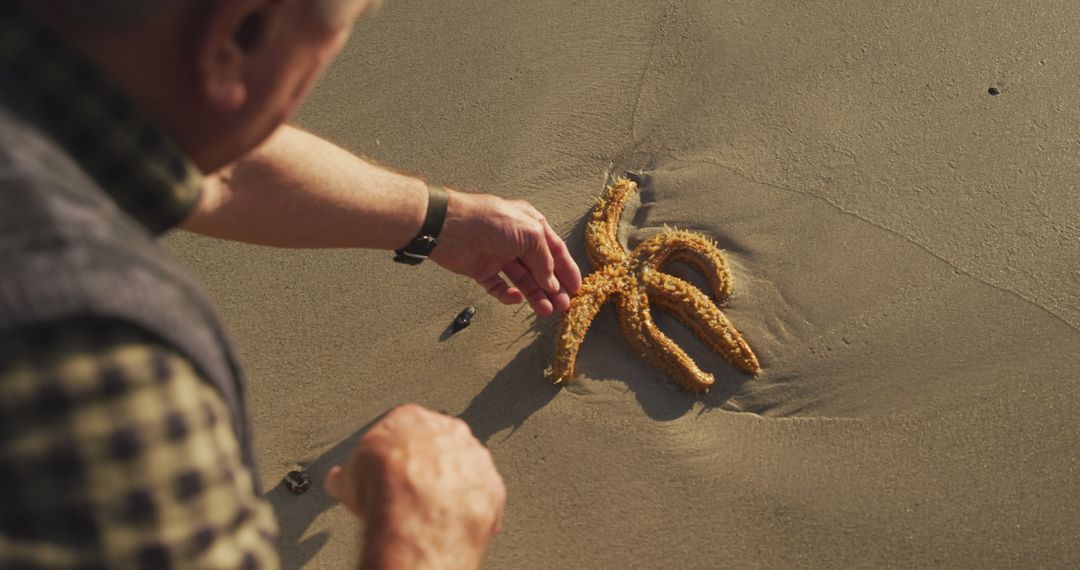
124,439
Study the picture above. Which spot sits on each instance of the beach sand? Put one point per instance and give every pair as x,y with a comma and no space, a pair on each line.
906,253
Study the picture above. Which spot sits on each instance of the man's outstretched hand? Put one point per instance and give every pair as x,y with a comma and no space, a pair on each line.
298,190
510,250
427,490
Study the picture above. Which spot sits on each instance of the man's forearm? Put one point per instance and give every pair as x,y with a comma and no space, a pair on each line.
298,190
414,553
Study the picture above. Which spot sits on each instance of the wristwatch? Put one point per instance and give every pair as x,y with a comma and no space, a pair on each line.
421,246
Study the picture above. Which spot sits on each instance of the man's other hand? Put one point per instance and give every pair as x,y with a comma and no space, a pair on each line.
427,490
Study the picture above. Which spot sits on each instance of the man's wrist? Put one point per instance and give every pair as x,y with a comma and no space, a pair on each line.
388,548
421,246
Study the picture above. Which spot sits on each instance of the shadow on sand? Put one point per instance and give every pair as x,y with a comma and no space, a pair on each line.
517,392
520,390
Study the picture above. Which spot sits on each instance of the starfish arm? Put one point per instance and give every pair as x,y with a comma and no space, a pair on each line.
694,309
693,249
602,230
595,291
652,344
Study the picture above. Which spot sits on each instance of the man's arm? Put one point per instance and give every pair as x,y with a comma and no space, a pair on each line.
298,190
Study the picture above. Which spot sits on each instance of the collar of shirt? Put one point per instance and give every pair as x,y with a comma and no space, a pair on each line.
135,162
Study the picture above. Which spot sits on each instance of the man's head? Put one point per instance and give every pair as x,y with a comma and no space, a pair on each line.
219,75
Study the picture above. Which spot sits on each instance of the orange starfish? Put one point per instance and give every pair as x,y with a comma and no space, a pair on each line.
635,280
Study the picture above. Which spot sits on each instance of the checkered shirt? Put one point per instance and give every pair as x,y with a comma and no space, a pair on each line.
114,452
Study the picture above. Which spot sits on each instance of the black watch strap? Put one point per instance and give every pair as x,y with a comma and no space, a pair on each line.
421,246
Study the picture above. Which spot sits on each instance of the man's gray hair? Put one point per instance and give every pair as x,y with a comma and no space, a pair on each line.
95,14
105,14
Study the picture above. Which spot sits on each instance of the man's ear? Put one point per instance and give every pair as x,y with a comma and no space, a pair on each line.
233,30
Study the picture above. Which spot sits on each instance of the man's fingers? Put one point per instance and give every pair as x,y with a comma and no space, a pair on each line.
523,279
343,491
566,269
560,301
497,287
333,482
539,262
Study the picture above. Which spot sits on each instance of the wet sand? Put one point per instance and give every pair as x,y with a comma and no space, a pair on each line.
906,252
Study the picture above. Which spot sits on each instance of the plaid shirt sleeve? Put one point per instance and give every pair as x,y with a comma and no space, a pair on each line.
114,453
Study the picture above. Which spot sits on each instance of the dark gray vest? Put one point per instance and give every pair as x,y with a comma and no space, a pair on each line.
67,250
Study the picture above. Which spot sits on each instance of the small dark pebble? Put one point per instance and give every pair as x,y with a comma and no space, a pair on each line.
994,91
298,482
463,319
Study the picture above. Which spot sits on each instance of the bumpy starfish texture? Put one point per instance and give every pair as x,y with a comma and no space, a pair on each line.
635,281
